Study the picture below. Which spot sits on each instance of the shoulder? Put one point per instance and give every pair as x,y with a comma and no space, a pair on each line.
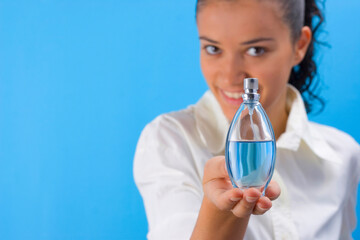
342,144
170,140
170,128
167,151
337,139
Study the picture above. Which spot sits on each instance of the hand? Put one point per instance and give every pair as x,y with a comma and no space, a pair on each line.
242,203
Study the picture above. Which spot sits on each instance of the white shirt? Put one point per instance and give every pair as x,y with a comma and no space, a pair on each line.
317,168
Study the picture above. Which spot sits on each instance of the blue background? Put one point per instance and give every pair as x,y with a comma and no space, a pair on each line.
78,82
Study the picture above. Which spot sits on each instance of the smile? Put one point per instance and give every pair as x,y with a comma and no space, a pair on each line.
232,98
234,95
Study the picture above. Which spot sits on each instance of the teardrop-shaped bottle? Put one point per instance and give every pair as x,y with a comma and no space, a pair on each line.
250,143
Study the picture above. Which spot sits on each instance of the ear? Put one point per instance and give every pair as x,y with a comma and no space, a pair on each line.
302,44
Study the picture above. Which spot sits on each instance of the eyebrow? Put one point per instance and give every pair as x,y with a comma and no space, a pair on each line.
256,40
208,39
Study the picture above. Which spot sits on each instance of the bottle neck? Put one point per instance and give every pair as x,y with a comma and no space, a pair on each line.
251,97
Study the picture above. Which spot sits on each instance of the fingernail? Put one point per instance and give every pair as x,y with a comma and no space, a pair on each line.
251,199
235,199
263,209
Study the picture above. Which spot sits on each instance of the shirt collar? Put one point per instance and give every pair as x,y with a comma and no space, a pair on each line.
213,126
299,129
211,123
297,122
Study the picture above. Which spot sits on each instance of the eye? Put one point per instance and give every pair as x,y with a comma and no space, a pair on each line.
256,51
212,50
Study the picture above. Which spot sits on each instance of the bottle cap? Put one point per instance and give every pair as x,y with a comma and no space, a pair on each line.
251,84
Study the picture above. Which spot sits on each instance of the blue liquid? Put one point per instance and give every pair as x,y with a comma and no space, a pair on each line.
250,164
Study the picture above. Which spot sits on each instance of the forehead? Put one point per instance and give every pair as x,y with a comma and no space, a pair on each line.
241,19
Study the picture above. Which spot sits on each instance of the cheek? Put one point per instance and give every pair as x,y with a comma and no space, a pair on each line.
273,79
274,86
208,71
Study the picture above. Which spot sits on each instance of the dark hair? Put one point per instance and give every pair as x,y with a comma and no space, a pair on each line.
303,76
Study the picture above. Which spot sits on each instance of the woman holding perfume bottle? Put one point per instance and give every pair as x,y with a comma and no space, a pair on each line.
179,164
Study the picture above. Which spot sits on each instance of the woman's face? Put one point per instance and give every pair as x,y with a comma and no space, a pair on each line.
246,39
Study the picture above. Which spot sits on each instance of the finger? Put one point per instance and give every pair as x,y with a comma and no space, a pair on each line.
273,190
262,206
215,168
246,206
229,199
216,189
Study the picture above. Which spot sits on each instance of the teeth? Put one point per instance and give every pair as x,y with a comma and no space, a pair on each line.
233,95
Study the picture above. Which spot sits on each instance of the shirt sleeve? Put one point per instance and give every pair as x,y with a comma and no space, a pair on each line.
349,214
166,176
357,163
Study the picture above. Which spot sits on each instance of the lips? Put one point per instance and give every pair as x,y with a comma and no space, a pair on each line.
233,98
233,95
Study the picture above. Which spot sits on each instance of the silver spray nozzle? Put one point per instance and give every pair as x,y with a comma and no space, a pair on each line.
250,85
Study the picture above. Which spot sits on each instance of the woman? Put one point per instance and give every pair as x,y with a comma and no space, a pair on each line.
179,165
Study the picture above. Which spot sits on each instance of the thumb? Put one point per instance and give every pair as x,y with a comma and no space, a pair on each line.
215,168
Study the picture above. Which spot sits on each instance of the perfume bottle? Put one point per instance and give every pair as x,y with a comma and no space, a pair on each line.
250,144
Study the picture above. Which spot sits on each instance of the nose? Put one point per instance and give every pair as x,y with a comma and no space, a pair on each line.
233,69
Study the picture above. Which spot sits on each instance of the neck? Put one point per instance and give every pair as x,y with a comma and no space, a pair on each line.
278,116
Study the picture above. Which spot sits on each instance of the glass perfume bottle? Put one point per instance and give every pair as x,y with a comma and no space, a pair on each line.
250,144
